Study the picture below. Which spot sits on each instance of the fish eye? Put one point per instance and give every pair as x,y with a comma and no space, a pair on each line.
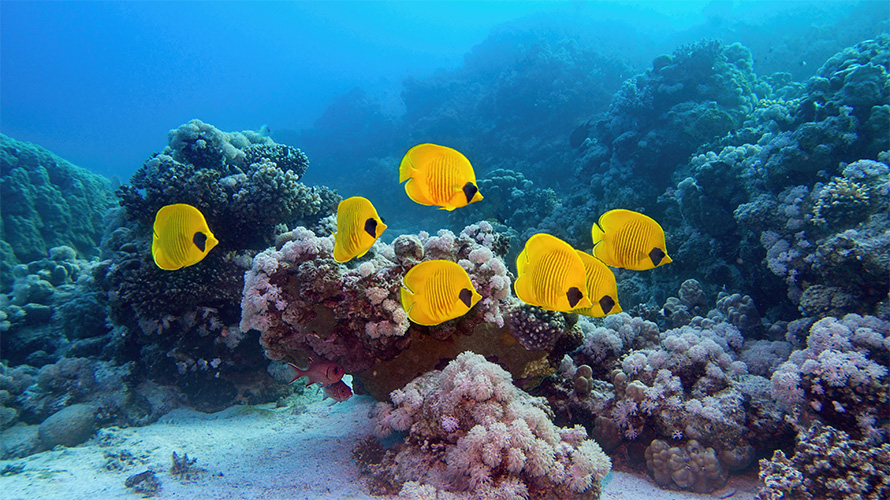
607,304
371,227
656,255
470,191
574,295
200,240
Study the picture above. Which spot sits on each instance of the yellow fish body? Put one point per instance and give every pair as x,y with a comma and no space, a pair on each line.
601,288
438,176
630,240
551,275
436,291
181,237
358,227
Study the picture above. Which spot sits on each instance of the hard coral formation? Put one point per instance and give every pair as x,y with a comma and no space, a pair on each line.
504,445
244,184
55,309
696,96
692,467
306,304
512,199
184,324
837,268
46,202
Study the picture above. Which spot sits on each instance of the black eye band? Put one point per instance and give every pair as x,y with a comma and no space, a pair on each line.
371,227
574,295
200,240
607,304
465,296
656,255
470,191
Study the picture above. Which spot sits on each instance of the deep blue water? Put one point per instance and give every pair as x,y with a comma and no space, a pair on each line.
100,83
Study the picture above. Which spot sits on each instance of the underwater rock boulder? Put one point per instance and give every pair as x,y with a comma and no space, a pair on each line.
69,426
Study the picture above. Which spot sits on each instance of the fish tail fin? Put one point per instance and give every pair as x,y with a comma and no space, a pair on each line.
596,233
407,299
406,169
300,373
340,253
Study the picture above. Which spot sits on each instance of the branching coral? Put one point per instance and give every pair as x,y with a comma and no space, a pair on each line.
841,376
827,463
504,445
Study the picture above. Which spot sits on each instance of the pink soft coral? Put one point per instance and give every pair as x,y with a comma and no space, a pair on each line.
505,440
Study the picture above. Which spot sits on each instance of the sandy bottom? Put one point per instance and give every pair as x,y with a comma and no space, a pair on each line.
262,452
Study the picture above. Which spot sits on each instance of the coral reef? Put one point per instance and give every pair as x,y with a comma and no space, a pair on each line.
841,376
704,400
305,304
679,399
46,202
471,432
827,463
53,309
512,199
244,184
692,466
183,325
698,94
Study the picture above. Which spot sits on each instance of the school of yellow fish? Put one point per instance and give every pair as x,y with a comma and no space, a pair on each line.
550,273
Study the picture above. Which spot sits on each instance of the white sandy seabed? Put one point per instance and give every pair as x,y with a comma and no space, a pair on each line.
247,452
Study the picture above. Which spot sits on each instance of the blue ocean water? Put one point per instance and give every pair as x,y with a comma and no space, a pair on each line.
755,135
95,81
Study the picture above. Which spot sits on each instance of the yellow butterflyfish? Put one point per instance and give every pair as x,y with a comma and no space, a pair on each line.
601,288
629,240
551,275
436,291
438,176
181,237
358,227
